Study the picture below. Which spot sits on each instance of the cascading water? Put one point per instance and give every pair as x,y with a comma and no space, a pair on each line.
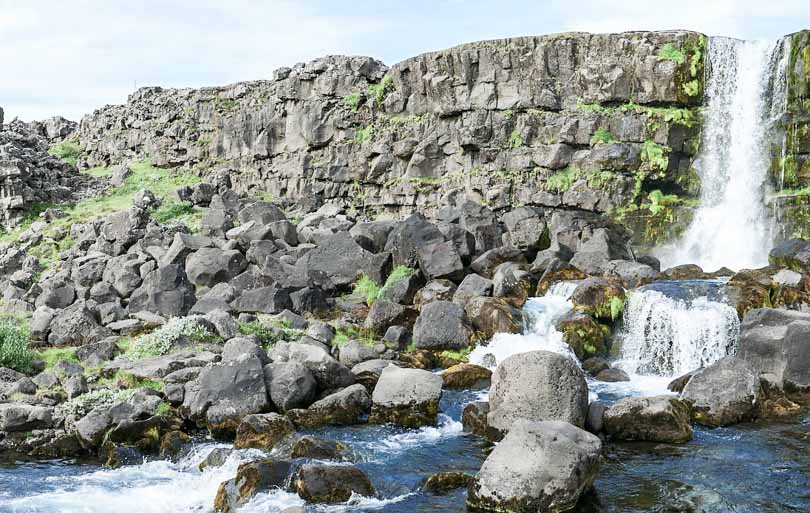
539,331
745,92
670,336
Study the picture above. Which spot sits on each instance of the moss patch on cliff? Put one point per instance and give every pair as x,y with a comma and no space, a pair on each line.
69,151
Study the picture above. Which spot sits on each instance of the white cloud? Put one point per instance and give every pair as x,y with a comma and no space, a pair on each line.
69,57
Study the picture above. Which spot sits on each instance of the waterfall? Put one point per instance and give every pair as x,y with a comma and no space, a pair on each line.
539,332
745,94
670,336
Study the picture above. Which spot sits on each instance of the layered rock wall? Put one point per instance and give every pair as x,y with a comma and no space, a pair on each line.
568,121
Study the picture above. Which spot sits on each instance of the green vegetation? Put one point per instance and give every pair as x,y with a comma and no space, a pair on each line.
364,134
616,305
691,88
267,336
176,211
162,183
508,113
462,355
81,406
655,155
54,355
378,92
271,331
68,151
515,140
344,334
562,180
224,104
162,340
398,274
367,289
658,201
98,172
602,136
163,410
353,101
670,115
669,53
14,351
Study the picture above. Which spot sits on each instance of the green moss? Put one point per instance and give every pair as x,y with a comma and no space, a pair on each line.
616,305
353,101
669,53
69,151
367,289
344,334
655,155
462,355
562,180
54,355
602,136
670,115
174,211
224,104
691,88
98,172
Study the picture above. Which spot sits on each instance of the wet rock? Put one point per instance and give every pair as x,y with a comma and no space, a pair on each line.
262,431
599,297
442,325
173,444
538,466
441,483
474,420
654,419
724,393
595,365
491,315
612,375
793,254
585,336
322,484
344,407
538,385
406,397
595,421
216,458
251,478
311,447
677,385
466,376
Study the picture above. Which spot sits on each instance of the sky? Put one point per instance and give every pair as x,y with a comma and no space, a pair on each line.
69,57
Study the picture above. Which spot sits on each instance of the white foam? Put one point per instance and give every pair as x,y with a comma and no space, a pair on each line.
277,500
415,438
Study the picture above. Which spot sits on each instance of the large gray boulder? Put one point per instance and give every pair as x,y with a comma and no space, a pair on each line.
344,407
209,266
329,373
75,326
774,342
224,393
340,258
656,419
538,386
442,325
165,291
724,393
269,300
291,385
331,484
24,417
538,466
406,397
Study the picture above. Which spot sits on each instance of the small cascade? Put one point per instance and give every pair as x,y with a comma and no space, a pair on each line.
745,96
539,332
670,336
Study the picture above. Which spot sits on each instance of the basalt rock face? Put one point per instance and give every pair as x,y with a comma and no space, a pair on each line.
29,175
567,121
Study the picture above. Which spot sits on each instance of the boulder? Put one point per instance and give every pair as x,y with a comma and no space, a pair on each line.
585,336
724,393
340,258
165,291
466,376
328,372
443,482
472,286
612,375
262,431
384,313
538,385
311,447
406,397
209,266
16,417
599,297
656,419
353,352
268,300
331,484
291,385
76,326
793,254
538,466
251,478
344,407
491,315
224,393
442,325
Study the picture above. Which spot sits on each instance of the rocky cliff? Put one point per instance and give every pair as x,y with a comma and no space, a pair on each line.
568,121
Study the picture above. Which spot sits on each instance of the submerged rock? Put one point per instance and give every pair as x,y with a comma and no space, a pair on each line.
538,466
443,482
251,478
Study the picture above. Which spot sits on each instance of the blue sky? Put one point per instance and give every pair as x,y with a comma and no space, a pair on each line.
70,57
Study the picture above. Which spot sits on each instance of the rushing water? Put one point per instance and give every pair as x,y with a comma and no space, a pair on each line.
669,331
745,92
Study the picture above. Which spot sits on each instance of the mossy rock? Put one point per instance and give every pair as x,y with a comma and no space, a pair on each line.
586,337
601,298
466,376
408,416
567,273
441,483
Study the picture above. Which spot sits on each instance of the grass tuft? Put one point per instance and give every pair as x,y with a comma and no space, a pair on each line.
14,351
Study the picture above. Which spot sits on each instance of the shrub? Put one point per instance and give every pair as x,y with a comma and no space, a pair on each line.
80,406
14,351
267,336
602,136
353,101
367,289
655,155
378,92
68,151
364,134
161,341
562,180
